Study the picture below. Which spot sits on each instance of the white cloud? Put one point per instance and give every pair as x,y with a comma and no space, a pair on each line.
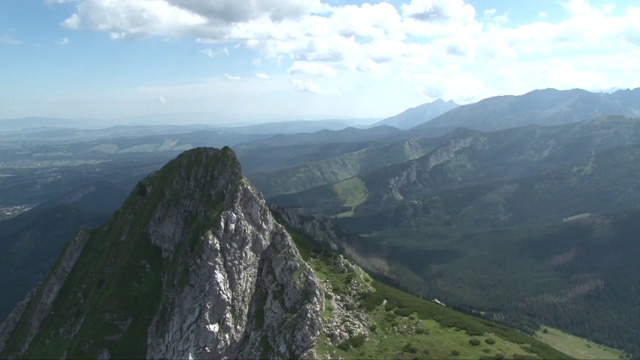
213,53
311,87
131,18
439,10
231,77
312,68
234,11
262,76
306,86
72,22
208,20
9,41
577,7
493,16
208,52
433,47
63,41
490,12
367,21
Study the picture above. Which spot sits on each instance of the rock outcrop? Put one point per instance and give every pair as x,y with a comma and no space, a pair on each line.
193,265
328,236
247,282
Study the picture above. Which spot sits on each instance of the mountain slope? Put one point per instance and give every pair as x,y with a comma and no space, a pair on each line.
516,223
578,273
419,114
30,242
341,167
194,265
539,107
471,157
136,280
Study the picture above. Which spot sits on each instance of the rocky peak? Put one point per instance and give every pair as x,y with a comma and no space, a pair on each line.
194,184
192,265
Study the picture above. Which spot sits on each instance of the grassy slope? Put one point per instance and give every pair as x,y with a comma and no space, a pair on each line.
405,326
577,347
352,192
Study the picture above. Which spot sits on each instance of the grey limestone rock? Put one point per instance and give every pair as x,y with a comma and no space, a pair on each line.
249,294
233,284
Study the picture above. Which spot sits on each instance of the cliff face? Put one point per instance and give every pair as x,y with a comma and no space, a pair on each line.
248,293
416,177
192,265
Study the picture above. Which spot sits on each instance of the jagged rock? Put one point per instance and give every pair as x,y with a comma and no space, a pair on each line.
248,256
438,157
231,282
327,235
348,318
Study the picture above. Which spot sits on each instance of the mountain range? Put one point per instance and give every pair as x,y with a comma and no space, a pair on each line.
193,265
419,114
516,210
539,107
454,223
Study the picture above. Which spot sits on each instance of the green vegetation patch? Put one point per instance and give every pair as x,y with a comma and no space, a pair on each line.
577,347
404,326
351,192
397,337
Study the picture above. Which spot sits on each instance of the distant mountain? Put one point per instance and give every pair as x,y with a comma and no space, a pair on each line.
297,126
530,225
604,183
41,123
290,150
349,134
368,157
171,123
466,157
539,107
419,114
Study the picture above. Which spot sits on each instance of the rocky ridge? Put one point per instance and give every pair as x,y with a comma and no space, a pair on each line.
417,174
226,278
331,237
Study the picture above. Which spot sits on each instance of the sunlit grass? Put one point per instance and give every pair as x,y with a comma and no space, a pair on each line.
352,192
575,346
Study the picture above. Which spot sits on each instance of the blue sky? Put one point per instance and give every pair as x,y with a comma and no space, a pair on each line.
264,60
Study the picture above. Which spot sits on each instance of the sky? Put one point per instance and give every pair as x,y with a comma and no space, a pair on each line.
266,60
